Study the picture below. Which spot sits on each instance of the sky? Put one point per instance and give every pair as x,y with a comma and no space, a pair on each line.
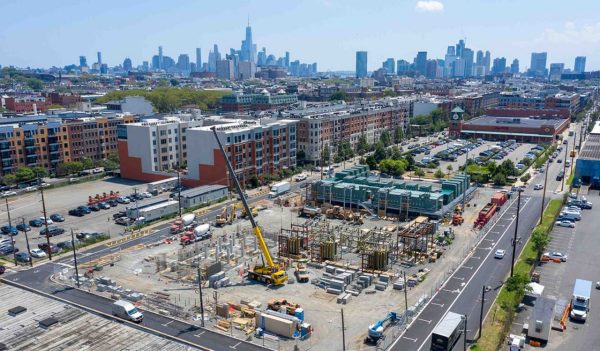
42,33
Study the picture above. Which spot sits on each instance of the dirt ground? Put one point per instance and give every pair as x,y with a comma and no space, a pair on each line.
137,270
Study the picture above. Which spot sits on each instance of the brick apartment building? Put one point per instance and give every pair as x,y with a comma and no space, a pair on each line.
256,102
55,98
26,104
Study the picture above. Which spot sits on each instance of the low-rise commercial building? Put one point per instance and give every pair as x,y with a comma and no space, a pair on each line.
256,102
587,166
203,195
26,104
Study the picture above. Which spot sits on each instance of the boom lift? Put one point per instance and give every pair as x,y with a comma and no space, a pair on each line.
376,330
269,272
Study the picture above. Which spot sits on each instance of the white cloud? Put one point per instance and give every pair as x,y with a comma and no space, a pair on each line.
570,33
429,6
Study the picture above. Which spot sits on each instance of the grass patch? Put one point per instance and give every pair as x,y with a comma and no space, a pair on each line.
571,176
497,324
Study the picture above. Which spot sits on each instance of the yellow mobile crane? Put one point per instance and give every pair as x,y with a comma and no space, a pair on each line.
269,272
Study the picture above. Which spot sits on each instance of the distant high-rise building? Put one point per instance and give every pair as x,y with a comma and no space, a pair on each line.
460,47
247,52
314,68
499,66
127,65
421,62
451,50
579,64
431,69
487,61
225,69
145,66
402,67
389,65
458,68
361,64
103,68
295,68
514,66
261,58
468,57
82,61
183,63
213,57
449,61
246,70
160,58
198,59
287,59
556,71
479,58
538,64
99,58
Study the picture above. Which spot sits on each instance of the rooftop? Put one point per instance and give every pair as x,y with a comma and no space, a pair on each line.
591,148
201,190
515,122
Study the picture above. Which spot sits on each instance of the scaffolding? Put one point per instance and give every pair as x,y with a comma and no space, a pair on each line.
415,239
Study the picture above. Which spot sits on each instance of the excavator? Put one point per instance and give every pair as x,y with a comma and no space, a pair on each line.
269,272
222,217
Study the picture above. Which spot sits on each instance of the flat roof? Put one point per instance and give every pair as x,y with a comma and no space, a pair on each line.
515,122
591,148
158,205
201,190
596,129
504,133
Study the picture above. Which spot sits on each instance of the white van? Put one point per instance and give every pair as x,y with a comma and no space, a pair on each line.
126,310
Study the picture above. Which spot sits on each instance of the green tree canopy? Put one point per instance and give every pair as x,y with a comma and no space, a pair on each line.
35,84
439,174
385,138
393,167
419,172
398,135
169,99
24,174
340,95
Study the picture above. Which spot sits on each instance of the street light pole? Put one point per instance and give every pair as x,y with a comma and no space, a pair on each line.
27,243
465,330
343,332
45,219
514,241
464,198
544,190
179,191
562,183
75,257
481,311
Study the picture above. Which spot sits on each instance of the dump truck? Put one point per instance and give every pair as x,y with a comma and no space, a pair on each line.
499,198
486,213
269,272
301,273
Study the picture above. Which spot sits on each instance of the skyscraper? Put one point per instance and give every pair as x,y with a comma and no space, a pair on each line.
479,57
213,57
487,60
361,64
451,51
225,69
499,65
127,65
538,64
82,61
287,59
460,47
248,51
99,58
556,71
579,64
514,66
389,66
402,67
468,57
421,62
431,69
183,63
198,59
160,58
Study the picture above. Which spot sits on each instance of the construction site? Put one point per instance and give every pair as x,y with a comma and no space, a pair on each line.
279,271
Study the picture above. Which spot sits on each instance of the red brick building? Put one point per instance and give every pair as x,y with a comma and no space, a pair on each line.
25,104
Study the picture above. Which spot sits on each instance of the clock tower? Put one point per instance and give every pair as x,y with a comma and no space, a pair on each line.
456,122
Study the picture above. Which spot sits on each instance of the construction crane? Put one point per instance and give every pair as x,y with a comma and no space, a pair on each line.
376,330
268,272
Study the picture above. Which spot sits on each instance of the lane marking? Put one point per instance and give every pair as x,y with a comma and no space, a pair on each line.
424,320
167,324
234,346
461,279
199,334
437,304
466,267
411,339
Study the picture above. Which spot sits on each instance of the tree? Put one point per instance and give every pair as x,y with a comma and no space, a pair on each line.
508,168
325,155
174,82
380,152
340,95
499,179
419,173
253,182
410,162
439,174
393,167
300,156
396,154
389,92
362,146
371,162
539,241
87,163
35,84
449,168
398,135
385,138
518,283
24,174
39,171
525,178
9,179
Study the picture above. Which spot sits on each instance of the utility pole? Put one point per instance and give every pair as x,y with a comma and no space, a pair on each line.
74,257
514,241
405,295
573,157
45,219
343,333
10,234
562,183
544,190
481,312
464,198
201,297
27,243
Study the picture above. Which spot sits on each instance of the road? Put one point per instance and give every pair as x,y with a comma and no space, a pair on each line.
37,280
462,292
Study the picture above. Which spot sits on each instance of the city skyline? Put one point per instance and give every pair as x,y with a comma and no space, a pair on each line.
562,38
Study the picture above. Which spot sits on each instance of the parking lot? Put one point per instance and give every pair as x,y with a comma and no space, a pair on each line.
28,206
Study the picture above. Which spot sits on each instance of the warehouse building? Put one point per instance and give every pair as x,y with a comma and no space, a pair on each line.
203,195
356,188
587,166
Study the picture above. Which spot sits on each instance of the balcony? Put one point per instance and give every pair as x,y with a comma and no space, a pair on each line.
4,145
29,142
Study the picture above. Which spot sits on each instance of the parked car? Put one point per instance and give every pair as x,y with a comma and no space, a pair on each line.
76,212
36,222
67,244
57,217
30,189
94,208
565,223
104,205
9,193
37,253
47,221
8,249
91,236
9,229
45,248
23,227
22,257
124,221
123,200
499,254
556,255
146,194
52,231
538,187
119,214
113,203
85,209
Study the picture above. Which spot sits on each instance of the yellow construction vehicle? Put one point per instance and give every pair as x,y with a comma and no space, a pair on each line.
457,219
222,217
231,214
458,209
269,272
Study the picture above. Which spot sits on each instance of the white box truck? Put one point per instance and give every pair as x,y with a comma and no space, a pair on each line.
580,302
126,310
279,188
447,332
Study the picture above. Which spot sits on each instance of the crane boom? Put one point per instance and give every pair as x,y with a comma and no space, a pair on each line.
255,228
